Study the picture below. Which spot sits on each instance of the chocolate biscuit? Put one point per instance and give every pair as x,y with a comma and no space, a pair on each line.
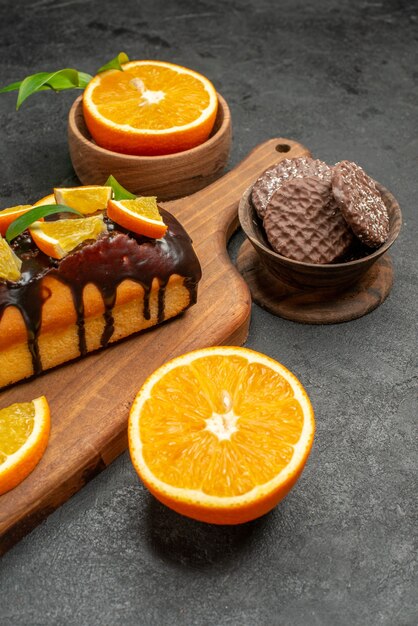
303,222
276,176
361,203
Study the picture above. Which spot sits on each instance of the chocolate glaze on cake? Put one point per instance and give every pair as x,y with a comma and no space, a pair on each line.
115,256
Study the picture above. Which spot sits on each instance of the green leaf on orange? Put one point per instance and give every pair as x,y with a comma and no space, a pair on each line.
59,80
115,64
56,81
119,192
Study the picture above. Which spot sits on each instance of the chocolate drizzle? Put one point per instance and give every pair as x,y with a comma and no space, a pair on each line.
116,256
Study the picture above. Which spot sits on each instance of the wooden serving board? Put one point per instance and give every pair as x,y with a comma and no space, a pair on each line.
90,398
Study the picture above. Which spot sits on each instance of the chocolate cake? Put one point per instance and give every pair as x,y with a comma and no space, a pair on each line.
100,292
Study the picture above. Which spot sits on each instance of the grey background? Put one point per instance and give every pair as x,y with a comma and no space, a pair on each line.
341,78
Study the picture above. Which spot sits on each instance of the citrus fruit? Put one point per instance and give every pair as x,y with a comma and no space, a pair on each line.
10,264
140,215
58,238
221,434
46,200
7,216
87,199
150,108
24,432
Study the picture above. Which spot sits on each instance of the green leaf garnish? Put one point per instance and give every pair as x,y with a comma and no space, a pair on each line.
24,221
59,80
11,87
119,192
115,64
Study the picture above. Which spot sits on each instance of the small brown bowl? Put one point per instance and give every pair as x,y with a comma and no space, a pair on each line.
167,176
333,276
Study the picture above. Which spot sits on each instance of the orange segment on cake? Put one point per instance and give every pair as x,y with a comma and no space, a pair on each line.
57,239
7,216
86,199
10,264
140,215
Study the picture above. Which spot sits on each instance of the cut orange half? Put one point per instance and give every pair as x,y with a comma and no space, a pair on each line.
7,216
140,215
87,199
58,238
150,108
221,434
24,432
10,263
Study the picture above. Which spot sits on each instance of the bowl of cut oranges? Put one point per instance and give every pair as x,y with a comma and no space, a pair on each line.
160,128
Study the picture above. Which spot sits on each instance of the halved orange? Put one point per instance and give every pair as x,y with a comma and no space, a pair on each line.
85,199
140,215
7,216
58,238
150,108
10,263
221,434
24,432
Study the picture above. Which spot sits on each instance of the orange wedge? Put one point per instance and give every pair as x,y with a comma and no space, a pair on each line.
87,199
150,108
46,200
24,432
10,263
7,216
58,238
221,434
140,215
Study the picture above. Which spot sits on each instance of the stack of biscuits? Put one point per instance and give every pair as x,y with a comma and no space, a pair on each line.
315,213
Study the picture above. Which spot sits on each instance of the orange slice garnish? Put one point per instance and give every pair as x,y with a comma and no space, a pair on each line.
10,263
140,215
7,216
221,434
150,108
50,199
24,432
56,239
86,199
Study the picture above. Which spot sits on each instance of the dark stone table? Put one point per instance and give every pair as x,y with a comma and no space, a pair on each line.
341,77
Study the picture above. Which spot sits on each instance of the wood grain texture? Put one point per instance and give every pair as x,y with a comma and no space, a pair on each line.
315,306
90,398
168,176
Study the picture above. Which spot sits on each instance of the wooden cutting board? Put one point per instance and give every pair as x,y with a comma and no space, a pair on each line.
90,398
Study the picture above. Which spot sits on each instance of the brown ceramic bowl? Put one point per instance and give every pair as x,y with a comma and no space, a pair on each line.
167,176
332,276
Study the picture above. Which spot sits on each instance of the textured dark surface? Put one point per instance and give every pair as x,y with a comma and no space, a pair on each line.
340,77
